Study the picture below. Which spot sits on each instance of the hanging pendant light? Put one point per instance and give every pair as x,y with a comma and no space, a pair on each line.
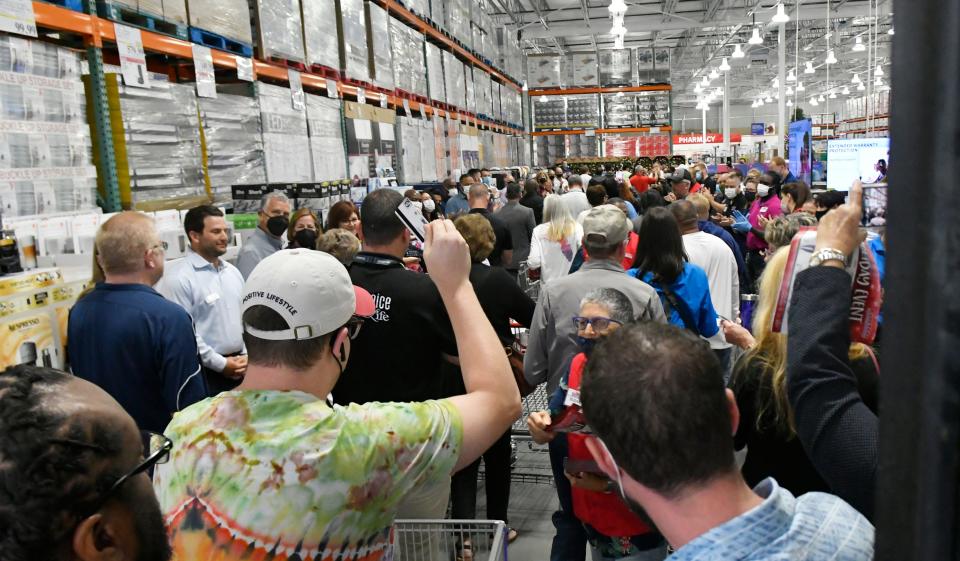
617,29
617,9
821,98
724,65
789,90
781,15
856,79
845,91
861,87
858,46
800,87
705,82
698,88
759,102
878,71
809,69
813,101
878,82
831,58
737,51
718,92
755,39
776,83
768,99
791,77
789,103
714,75
543,99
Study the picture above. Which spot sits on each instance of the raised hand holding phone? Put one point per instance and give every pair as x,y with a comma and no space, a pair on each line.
840,228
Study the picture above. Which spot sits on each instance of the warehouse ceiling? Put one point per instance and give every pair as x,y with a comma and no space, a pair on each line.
702,32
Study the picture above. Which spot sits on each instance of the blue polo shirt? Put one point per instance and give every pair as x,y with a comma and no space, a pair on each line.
140,348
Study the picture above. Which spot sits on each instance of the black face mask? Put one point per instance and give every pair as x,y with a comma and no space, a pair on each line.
750,196
277,225
306,239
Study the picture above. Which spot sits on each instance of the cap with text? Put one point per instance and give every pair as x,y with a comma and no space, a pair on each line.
605,224
310,289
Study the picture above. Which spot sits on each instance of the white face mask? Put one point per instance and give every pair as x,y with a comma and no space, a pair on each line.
452,192
418,204
429,205
763,190
730,193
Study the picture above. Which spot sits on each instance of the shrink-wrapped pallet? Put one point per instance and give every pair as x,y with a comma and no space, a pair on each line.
233,141
321,39
378,45
353,39
326,138
435,81
409,63
286,145
279,29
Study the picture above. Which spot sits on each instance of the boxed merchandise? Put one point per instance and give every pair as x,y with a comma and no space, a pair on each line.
409,62
229,18
453,73
427,143
469,89
233,142
440,152
32,306
326,138
511,55
410,170
616,68
653,109
645,71
549,113
583,69
378,45
175,11
547,71
583,111
469,147
371,145
581,147
484,99
286,145
458,21
661,65
496,100
619,110
437,13
435,81
352,29
321,40
246,198
279,29
452,128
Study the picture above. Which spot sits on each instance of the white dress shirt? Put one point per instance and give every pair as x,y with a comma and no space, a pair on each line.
713,256
212,298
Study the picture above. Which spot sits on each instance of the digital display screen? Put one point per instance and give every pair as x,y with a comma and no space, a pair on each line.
800,150
865,159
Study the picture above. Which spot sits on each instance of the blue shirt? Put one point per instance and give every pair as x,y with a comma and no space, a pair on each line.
692,289
212,298
456,205
816,526
710,228
140,348
256,248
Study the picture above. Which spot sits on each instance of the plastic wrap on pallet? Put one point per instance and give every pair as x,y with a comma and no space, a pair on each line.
353,40
151,7
280,32
453,74
511,56
229,18
409,62
408,135
497,101
617,68
160,134
620,146
583,111
653,109
458,21
435,83
419,7
583,69
661,65
547,71
428,164
619,110
378,45
175,11
484,97
440,150
286,145
321,39
469,88
326,138
47,163
580,146
438,13
549,113
234,143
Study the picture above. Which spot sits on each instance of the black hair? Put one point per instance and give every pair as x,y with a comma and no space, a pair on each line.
298,355
513,191
883,166
54,469
660,250
596,194
472,172
735,173
378,217
831,199
193,221
611,186
464,176
649,386
651,199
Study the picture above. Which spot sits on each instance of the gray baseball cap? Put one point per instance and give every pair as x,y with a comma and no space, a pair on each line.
605,225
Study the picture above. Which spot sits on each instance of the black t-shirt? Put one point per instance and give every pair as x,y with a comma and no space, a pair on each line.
501,231
398,354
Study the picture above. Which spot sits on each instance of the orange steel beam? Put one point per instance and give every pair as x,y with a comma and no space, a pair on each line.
625,89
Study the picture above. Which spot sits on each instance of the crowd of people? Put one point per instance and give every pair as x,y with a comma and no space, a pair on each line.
345,374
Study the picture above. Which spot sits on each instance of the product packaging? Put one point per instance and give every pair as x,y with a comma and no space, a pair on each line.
233,141
229,18
617,68
286,144
436,86
409,59
279,29
321,39
352,30
326,138
378,45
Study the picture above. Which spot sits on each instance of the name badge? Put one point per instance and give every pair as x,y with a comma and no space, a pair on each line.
763,209
573,398
211,298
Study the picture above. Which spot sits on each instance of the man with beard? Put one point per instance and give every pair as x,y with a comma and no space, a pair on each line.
73,475
654,397
209,289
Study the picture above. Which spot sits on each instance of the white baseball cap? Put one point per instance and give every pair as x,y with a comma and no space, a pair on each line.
310,289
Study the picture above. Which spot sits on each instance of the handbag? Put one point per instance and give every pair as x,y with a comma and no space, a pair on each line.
515,354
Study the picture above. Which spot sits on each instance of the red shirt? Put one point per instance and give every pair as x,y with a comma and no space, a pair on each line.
641,183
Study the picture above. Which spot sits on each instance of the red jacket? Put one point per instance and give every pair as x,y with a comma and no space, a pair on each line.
605,512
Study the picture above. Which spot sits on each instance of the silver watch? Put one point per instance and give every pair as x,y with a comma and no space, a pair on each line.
827,254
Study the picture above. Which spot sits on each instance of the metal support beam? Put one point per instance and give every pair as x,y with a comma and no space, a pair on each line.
781,94
109,182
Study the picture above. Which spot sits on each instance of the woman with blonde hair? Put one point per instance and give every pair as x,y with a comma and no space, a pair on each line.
759,382
555,242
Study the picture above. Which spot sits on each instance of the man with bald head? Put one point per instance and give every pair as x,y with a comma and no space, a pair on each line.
128,339
73,473
479,198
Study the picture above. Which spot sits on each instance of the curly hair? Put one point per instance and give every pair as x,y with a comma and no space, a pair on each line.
479,235
53,469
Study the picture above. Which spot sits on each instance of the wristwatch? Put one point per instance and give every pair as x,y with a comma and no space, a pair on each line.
611,486
827,254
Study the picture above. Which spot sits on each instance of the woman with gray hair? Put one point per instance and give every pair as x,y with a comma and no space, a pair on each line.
613,530
780,231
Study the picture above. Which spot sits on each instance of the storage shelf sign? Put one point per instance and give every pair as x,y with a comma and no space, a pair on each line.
16,16
133,62
296,89
244,68
203,70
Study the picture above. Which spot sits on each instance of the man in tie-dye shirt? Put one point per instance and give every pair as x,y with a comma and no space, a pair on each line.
270,471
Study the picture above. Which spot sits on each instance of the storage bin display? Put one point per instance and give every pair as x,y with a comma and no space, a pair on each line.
435,82
233,141
286,145
45,149
326,138
321,39
352,30
378,45
279,29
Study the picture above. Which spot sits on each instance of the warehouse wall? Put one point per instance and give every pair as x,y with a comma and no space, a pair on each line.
689,119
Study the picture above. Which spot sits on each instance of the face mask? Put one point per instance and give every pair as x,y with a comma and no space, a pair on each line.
429,205
750,195
586,345
633,505
419,205
730,193
306,239
763,190
276,225
699,176
452,192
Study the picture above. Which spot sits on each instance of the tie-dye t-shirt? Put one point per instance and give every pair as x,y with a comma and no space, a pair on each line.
282,475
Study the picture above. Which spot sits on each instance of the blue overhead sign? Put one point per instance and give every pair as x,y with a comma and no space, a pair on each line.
756,129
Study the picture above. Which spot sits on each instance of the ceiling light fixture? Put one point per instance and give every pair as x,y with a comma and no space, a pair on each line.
697,89
878,71
705,82
856,79
617,9
768,99
878,82
861,87
759,103
781,15
789,90
737,51
809,69
833,95
858,46
800,87
821,98
714,75
845,91
831,58
755,39
789,103
890,31
724,65
791,77
617,29
813,101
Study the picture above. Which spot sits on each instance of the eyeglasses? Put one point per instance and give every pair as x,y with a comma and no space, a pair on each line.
353,327
162,245
598,323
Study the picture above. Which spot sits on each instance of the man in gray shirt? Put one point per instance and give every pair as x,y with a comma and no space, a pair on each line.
521,222
576,197
553,337
267,239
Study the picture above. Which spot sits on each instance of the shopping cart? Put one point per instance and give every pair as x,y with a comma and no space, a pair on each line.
530,287
449,540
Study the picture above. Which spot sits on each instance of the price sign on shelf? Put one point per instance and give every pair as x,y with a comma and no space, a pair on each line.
406,107
332,92
16,16
203,69
383,100
244,68
361,95
296,89
133,62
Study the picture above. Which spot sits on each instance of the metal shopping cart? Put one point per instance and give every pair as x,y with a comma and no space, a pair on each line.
453,540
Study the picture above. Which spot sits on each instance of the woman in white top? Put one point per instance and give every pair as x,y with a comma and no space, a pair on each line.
555,242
